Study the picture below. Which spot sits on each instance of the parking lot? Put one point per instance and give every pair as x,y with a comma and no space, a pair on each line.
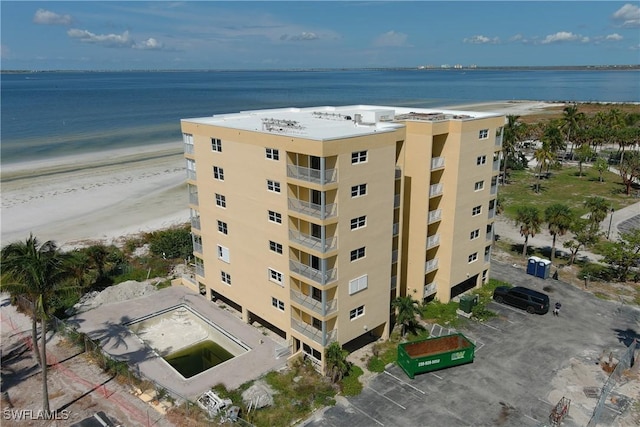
524,364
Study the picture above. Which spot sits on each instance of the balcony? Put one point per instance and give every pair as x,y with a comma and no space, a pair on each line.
316,176
492,213
315,334
433,241
498,139
197,247
313,209
394,256
490,236
316,275
195,222
430,289
487,257
494,189
437,163
398,174
313,242
396,229
496,165
200,270
435,190
394,282
191,174
396,201
189,149
193,198
434,216
431,265
314,305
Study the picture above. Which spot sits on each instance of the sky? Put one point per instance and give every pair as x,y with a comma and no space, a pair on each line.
132,35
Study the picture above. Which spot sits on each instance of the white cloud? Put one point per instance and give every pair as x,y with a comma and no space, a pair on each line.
149,44
614,37
390,39
110,40
46,17
628,16
480,39
304,36
562,36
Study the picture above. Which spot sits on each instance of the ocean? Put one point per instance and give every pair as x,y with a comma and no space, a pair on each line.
52,114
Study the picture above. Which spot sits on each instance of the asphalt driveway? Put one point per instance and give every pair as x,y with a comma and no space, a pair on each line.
524,364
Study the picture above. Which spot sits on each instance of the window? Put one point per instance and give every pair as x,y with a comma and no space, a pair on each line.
277,303
275,276
359,190
356,312
483,134
476,211
226,278
275,217
273,186
481,160
218,173
223,254
475,234
275,247
358,222
358,284
479,185
222,227
216,145
221,200
358,157
272,153
473,257
357,254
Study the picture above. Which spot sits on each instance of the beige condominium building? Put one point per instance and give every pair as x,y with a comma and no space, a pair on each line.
312,220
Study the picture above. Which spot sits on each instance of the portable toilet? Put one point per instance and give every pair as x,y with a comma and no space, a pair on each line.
532,265
543,268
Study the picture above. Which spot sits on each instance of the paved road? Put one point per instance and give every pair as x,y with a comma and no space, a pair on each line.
519,373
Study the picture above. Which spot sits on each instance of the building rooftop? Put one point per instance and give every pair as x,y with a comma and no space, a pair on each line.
327,122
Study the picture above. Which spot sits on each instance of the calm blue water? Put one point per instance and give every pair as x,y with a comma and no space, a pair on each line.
52,114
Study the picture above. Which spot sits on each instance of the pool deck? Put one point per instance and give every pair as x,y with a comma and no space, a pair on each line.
105,324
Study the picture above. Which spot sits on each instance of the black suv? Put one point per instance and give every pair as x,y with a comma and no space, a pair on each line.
524,298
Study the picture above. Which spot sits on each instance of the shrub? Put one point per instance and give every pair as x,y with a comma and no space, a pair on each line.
351,385
375,364
172,243
597,272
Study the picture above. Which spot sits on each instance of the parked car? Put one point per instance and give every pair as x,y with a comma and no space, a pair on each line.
524,298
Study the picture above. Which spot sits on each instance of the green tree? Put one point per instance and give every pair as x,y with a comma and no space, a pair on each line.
584,153
559,218
98,256
598,208
36,272
624,254
406,311
513,132
629,169
337,365
571,122
529,220
584,234
601,165
543,155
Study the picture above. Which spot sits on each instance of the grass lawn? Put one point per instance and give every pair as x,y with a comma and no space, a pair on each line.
564,186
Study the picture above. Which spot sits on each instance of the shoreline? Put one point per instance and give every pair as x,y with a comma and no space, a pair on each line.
101,197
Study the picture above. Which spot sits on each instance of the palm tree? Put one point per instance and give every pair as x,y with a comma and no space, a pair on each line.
601,165
406,311
571,119
529,220
598,209
559,217
35,271
336,362
584,153
512,134
544,156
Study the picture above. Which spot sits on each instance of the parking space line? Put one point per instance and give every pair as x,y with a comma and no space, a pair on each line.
531,418
365,414
405,383
438,377
491,327
388,398
515,310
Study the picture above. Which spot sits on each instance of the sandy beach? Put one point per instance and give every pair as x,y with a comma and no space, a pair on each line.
102,197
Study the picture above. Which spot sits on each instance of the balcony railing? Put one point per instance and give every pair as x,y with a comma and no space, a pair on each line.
193,198
398,173
312,175
487,257
433,241
394,256
191,174
490,236
396,229
431,265
394,282
496,165
434,216
492,213
494,189
430,289
189,149
197,247
200,270
437,163
498,140
435,190
313,242
315,334
314,305
195,222
316,275
396,201
312,209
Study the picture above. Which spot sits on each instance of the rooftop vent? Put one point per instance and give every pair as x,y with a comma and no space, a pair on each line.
282,125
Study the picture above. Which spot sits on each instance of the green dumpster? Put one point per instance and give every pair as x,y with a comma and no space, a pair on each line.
467,302
435,353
